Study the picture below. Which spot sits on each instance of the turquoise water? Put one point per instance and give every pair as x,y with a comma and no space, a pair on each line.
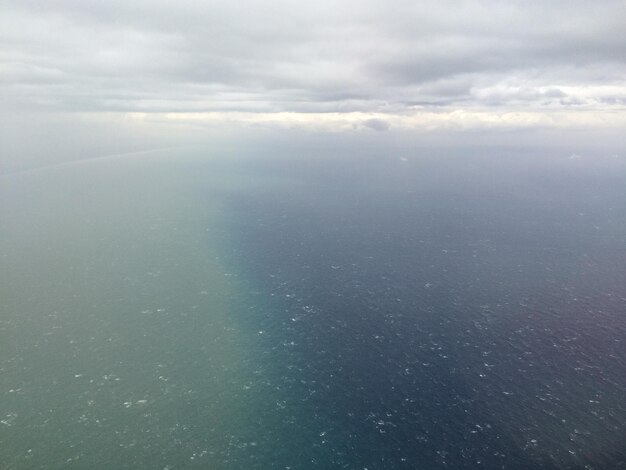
180,310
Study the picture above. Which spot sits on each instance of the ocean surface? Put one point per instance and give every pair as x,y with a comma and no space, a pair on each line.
314,309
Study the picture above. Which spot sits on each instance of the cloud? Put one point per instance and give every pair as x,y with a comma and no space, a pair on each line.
162,56
85,78
379,125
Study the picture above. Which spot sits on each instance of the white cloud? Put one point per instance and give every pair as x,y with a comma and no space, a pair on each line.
298,57
350,66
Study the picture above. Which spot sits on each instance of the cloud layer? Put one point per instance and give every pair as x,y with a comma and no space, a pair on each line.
396,59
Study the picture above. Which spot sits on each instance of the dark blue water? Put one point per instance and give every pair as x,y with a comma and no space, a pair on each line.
320,309
445,312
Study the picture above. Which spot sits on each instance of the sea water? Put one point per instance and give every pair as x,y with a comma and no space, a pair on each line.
319,309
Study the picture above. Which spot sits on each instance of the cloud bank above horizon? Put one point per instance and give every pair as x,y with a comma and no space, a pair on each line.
399,59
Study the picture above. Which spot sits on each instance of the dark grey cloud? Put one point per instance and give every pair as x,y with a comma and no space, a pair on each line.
368,56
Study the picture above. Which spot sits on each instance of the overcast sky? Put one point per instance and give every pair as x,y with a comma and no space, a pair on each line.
365,64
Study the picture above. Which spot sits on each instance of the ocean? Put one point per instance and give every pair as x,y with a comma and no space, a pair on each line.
194,308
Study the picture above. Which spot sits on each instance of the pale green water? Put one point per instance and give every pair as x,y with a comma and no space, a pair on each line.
121,336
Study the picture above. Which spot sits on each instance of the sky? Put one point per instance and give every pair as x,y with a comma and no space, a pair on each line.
80,78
